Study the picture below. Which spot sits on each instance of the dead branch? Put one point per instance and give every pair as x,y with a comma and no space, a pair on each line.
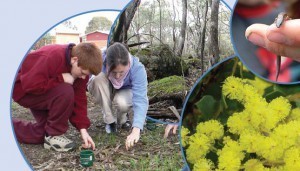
162,113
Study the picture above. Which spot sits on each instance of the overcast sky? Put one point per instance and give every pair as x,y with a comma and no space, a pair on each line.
81,21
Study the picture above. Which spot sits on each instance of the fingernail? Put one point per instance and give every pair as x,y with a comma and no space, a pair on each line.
278,38
256,39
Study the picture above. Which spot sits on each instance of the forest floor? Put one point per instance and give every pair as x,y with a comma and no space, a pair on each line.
152,152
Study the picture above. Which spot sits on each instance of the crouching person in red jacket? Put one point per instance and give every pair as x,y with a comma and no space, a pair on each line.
52,82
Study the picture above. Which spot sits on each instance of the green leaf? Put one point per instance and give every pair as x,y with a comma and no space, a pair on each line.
273,92
208,106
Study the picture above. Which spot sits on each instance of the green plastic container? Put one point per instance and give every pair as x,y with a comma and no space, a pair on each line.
87,158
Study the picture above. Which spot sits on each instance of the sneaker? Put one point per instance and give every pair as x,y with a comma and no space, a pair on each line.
126,126
111,128
58,143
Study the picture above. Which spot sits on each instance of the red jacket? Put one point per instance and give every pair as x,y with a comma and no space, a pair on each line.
42,70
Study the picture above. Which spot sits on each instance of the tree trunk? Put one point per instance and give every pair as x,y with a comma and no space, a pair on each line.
159,5
214,43
119,33
138,29
174,26
203,37
152,17
198,28
183,29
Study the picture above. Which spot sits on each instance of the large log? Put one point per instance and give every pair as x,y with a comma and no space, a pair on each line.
162,113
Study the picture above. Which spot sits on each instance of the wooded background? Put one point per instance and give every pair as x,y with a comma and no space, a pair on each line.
190,28
176,40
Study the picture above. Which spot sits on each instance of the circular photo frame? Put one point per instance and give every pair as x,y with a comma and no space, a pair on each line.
262,35
234,120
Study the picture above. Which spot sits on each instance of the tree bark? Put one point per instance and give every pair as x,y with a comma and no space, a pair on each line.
119,33
203,37
174,27
183,29
159,5
198,28
162,113
152,17
214,43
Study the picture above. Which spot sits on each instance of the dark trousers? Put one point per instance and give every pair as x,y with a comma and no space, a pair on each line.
51,111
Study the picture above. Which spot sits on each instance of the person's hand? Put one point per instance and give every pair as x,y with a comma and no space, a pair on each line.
283,41
87,140
169,129
68,78
133,137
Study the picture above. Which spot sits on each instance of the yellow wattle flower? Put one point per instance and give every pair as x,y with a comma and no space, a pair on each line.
184,136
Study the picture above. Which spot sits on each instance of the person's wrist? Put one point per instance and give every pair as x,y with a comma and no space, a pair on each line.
83,130
136,130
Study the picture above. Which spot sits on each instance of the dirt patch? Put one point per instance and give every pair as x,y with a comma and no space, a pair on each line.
152,152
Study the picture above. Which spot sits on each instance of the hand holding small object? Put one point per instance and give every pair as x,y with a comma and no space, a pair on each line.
281,18
283,41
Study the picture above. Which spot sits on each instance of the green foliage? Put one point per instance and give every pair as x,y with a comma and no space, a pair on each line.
98,23
208,106
45,40
161,61
168,85
162,158
291,92
242,103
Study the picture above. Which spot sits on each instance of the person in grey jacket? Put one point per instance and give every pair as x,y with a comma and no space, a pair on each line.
121,86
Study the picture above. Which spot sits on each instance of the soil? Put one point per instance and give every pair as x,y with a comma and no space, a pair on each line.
110,153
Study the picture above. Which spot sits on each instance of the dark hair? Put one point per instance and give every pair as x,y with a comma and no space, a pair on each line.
116,54
89,57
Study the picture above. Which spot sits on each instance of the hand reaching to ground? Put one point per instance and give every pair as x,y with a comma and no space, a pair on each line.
283,41
132,138
170,128
87,140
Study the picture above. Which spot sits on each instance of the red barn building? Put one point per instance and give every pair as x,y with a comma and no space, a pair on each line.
98,37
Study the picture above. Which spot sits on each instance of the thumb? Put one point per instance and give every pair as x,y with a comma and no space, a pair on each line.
136,139
287,34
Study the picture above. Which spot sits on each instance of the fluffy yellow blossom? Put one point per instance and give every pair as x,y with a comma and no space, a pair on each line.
230,156
278,168
228,161
292,159
212,129
248,141
238,123
232,87
203,165
287,134
237,88
260,136
199,145
254,164
184,136
280,108
260,84
250,94
295,115
269,149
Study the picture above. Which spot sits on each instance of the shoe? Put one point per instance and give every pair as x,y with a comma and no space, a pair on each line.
111,128
58,143
126,126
